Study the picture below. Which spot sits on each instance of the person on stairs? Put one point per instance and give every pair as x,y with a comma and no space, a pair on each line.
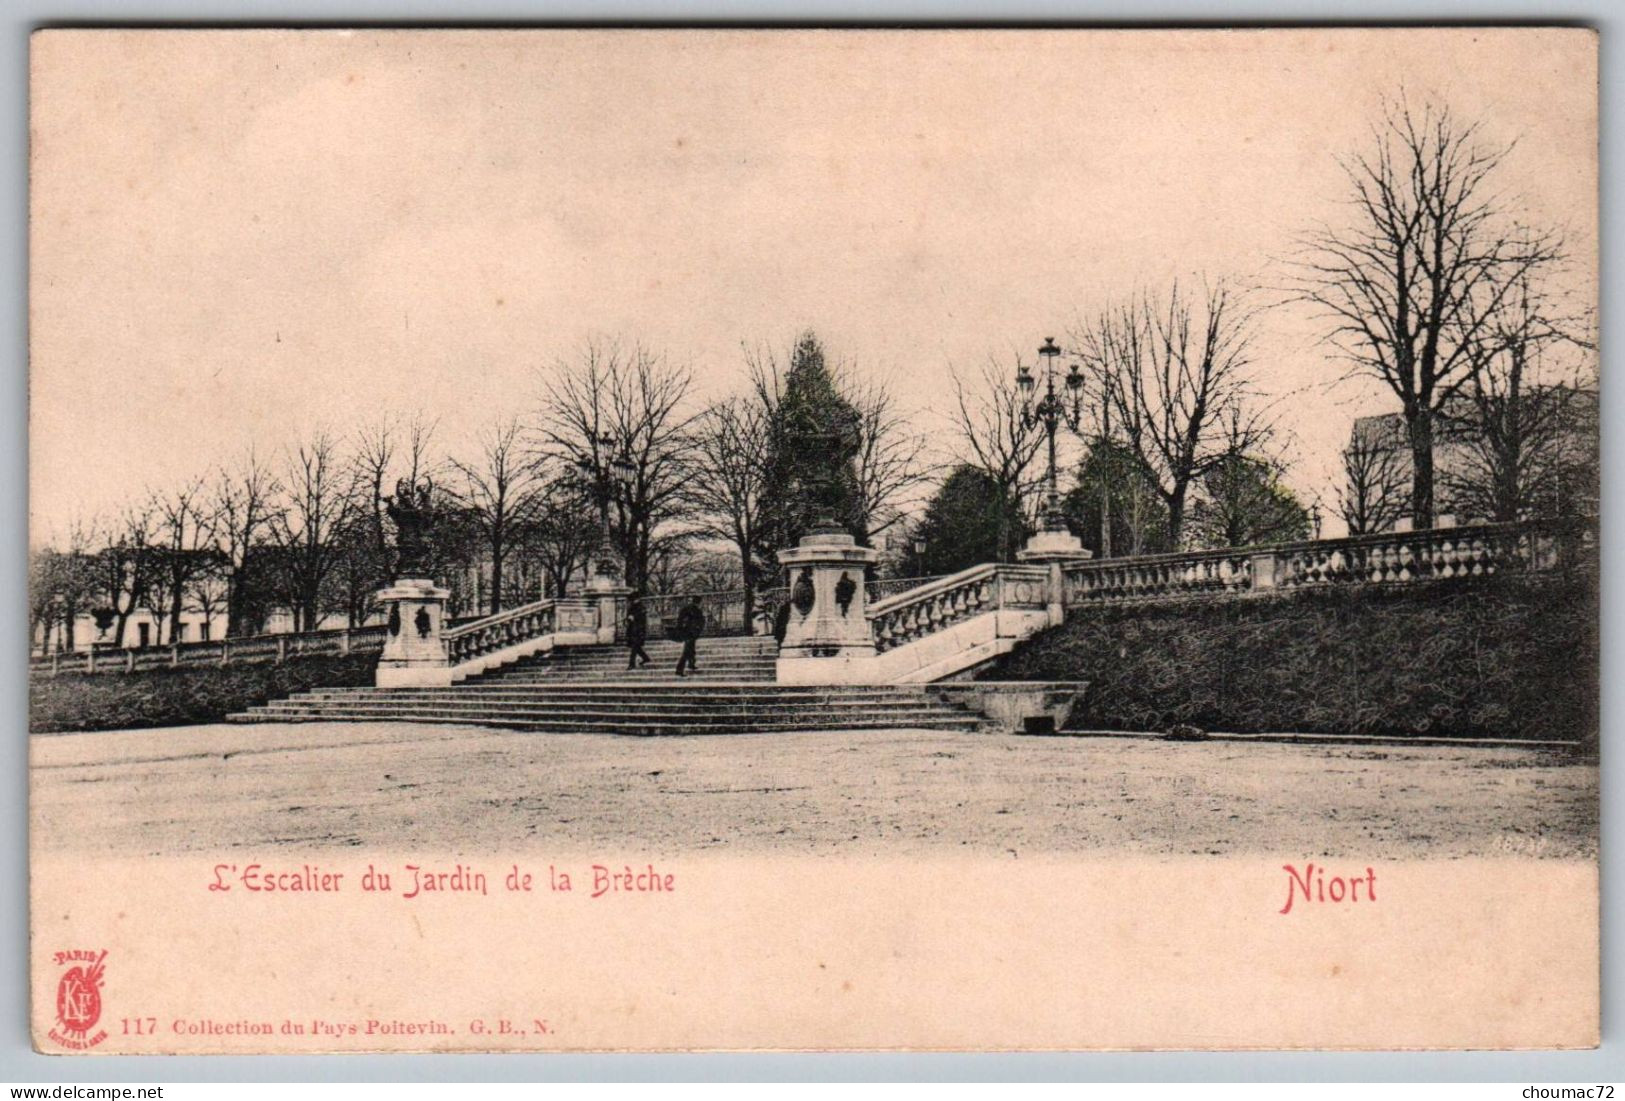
637,631
690,625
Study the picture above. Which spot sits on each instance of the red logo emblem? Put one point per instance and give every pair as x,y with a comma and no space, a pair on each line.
79,999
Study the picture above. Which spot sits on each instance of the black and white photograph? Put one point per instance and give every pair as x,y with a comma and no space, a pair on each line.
814,539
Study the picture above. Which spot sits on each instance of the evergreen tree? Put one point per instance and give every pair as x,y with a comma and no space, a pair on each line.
964,522
814,435
1112,475
1242,503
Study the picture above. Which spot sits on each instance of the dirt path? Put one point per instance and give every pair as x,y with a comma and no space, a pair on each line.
322,786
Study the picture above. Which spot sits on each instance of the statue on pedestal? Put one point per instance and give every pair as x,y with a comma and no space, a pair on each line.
414,654
412,510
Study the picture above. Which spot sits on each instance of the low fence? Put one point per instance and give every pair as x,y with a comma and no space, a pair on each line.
227,651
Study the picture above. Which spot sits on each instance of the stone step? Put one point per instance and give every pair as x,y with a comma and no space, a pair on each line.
667,661
732,645
663,660
626,696
636,727
662,648
634,692
647,676
587,712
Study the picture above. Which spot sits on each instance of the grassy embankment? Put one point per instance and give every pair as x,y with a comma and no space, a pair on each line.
177,697
1512,658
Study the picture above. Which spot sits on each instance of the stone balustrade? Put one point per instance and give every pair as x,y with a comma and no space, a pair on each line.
929,608
1432,555
1114,580
1388,558
500,631
244,649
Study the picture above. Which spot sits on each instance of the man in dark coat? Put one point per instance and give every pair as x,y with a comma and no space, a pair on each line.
781,622
637,630
690,625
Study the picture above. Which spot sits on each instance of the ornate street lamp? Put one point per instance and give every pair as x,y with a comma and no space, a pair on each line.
622,470
1052,410
608,481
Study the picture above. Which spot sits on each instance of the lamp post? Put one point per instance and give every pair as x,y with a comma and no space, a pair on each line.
609,481
1051,410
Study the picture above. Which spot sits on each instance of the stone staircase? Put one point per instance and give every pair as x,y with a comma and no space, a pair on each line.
588,690
727,658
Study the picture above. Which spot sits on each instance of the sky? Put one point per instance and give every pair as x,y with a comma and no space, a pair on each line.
240,238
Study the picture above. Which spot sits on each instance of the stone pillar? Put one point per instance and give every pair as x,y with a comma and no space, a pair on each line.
609,598
1055,548
1266,571
827,640
414,655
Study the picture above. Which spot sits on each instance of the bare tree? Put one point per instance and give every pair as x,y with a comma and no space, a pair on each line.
125,567
62,581
45,569
245,508
1526,425
566,532
500,493
891,467
629,404
209,591
1409,283
381,453
1374,492
996,438
184,549
1175,371
318,504
728,481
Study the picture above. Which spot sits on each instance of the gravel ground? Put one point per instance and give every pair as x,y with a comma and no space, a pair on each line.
447,789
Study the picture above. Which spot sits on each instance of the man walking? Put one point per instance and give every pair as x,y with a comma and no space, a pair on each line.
637,630
690,625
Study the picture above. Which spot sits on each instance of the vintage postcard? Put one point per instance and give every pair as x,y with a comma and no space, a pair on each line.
628,540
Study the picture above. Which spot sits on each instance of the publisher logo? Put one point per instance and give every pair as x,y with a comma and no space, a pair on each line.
79,999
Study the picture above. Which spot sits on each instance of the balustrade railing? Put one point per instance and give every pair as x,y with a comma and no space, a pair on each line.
1434,554
1430,555
925,609
498,632
1159,575
227,651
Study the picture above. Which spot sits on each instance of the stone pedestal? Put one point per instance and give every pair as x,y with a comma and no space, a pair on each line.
827,640
1054,547
609,597
414,655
